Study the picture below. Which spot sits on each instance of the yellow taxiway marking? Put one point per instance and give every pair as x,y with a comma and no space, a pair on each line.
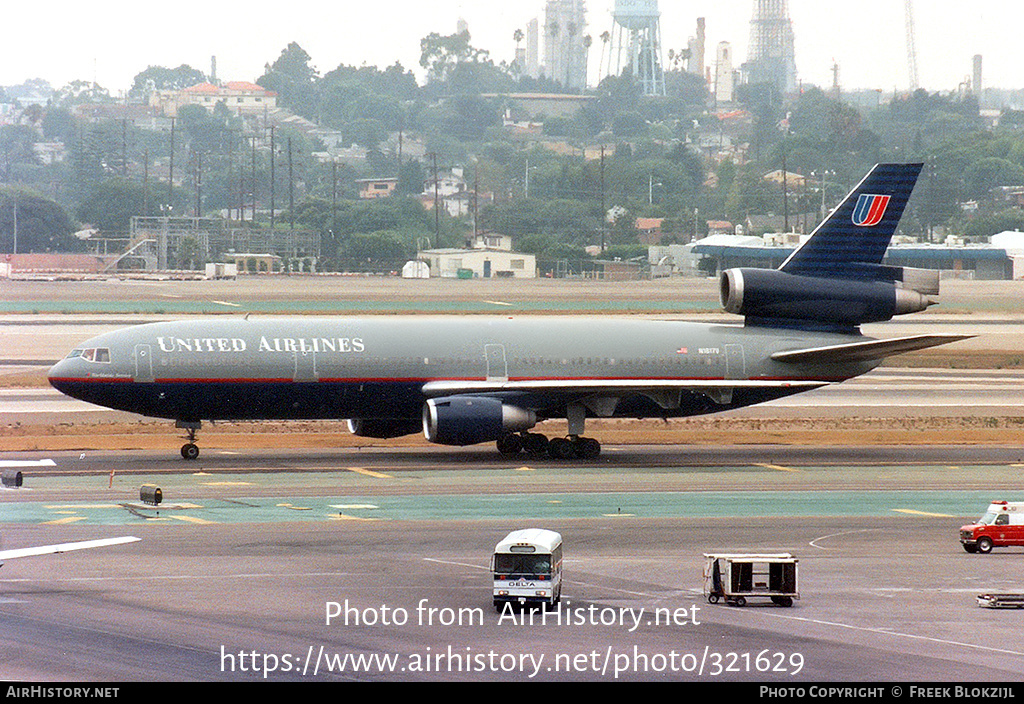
193,519
64,521
776,467
295,508
368,472
922,513
75,507
524,469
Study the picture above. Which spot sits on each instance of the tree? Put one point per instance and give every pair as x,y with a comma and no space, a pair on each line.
16,148
43,225
441,54
294,80
112,203
162,78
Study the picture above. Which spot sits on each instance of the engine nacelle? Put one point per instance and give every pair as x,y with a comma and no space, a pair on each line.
383,428
772,295
468,420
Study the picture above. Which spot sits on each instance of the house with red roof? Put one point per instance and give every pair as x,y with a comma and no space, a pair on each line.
240,97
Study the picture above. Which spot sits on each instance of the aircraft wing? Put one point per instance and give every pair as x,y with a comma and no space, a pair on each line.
868,350
609,386
64,547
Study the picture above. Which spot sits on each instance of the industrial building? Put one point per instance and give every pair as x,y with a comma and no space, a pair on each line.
480,263
1003,259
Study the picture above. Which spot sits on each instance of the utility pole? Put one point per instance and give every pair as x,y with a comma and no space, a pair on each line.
291,186
604,207
170,179
15,223
437,206
334,192
254,179
476,195
124,148
273,181
785,190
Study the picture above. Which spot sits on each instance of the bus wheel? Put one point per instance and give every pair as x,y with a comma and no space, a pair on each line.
984,545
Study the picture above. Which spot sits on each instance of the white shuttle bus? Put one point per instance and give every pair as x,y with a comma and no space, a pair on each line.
527,568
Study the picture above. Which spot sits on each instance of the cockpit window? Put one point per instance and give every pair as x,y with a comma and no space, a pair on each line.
100,355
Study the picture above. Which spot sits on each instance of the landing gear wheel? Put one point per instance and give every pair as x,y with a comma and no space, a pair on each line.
561,449
588,449
984,545
535,443
190,451
510,445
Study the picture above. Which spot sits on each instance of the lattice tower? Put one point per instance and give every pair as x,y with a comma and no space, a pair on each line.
772,56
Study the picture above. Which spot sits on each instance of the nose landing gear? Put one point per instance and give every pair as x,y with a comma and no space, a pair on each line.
189,451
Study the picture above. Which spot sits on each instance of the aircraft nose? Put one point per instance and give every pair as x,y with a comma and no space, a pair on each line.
57,372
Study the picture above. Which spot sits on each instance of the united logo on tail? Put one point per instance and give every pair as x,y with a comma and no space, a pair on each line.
870,210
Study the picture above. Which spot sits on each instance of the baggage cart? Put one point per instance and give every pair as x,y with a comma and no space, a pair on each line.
734,578
1001,601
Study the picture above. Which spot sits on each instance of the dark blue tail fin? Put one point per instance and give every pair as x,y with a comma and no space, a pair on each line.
851,242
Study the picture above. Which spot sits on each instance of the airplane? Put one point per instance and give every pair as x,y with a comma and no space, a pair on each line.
468,380
63,547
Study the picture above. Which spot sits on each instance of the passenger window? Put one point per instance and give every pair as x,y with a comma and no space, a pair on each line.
1003,519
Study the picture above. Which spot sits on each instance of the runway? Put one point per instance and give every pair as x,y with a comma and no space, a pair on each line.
236,574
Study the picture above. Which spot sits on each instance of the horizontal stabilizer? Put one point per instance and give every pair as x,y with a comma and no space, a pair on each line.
64,547
865,351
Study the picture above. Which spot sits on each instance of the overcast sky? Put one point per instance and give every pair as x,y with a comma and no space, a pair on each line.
110,41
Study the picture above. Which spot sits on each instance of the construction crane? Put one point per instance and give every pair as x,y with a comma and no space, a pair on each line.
911,47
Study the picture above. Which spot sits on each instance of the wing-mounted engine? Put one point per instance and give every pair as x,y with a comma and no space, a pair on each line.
468,420
773,298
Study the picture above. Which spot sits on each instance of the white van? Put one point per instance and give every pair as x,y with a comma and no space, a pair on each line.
527,568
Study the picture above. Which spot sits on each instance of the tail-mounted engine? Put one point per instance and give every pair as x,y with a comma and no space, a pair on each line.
774,298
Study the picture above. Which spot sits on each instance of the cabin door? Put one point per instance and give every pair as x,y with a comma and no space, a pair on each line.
497,368
735,362
144,364
305,366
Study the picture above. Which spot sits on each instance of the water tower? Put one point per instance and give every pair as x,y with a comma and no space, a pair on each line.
636,43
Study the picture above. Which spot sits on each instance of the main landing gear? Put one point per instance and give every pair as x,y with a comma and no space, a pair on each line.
189,451
568,448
